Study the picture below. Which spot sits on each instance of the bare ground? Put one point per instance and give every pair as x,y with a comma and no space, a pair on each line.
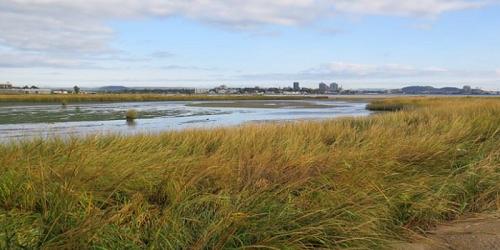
478,233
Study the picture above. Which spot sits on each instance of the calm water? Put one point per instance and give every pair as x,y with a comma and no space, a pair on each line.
28,121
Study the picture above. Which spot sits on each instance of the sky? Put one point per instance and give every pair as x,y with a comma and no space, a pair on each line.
205,43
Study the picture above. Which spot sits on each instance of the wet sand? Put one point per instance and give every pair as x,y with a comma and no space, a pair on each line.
262,104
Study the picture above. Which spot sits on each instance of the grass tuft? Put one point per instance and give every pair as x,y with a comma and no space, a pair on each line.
131,115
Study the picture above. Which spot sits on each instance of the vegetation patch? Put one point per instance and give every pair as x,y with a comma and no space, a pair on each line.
131,115
77,98
346,183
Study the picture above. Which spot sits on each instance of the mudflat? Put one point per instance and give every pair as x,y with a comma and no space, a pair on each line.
262,104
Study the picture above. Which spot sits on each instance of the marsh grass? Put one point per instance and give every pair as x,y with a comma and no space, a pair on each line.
348,183
396,104
77,98
131,115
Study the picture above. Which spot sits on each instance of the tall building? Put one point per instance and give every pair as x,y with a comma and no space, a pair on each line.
467,89
334,87
323,87
296,86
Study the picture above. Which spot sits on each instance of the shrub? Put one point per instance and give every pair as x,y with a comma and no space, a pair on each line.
131,115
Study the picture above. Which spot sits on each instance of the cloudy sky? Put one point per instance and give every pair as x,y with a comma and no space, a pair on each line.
203,43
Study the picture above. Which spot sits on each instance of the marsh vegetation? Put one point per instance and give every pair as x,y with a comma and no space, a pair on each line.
131,115
78,98
346,183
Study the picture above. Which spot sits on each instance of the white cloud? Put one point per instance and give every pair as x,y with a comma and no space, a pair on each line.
420,8
26,27
79,26
34,60
352,70
372,72
161,54
75,33
188,67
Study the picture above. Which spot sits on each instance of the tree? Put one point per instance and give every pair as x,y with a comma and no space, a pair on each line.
76,89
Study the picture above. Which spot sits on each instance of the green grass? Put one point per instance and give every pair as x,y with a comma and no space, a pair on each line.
348,183
74,98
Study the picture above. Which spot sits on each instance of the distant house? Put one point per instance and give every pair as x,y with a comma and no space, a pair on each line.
25,91
201,91
36,91
60,92
8,88
5,86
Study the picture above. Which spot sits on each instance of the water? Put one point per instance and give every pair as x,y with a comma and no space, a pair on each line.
29,121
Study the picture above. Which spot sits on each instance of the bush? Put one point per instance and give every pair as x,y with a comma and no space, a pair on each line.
131,115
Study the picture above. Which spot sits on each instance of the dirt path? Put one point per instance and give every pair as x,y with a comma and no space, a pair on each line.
470,234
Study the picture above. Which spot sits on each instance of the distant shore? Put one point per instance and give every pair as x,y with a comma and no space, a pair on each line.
77,98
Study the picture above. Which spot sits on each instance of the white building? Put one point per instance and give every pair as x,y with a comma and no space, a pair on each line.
25,91
8,88
201,91
6,85
60,92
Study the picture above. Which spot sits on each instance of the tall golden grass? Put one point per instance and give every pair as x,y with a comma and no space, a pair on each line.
140,98
348,183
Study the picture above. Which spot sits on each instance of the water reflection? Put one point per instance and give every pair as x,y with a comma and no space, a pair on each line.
130,123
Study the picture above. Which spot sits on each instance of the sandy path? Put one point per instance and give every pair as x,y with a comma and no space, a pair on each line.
481,233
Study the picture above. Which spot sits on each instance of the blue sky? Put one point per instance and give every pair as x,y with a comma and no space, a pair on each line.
358,43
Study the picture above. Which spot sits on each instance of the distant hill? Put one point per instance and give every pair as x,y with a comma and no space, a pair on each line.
113,89
430,90
144,90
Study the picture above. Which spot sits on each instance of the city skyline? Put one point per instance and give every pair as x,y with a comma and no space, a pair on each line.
359,44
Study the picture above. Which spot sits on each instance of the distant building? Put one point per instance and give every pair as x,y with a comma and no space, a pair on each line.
334,87
296,86
201,91
37,91
5,85
323,87
222,89
467,89
60,92
8,88
25,91
477,92
394,91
